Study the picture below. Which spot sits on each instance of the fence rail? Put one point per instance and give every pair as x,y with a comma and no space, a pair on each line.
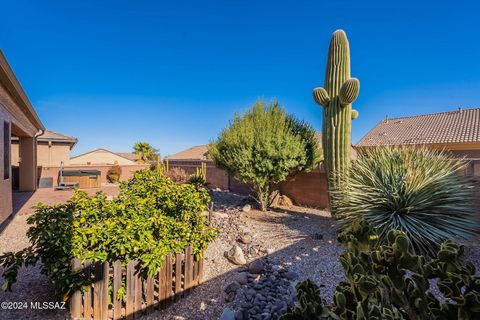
143,295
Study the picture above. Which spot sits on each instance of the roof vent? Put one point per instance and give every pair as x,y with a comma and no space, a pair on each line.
460,110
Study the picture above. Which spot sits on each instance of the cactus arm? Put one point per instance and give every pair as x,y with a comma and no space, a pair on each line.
349,91
354,114
321,96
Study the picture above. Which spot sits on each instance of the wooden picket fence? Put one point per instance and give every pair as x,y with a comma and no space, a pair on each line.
180,273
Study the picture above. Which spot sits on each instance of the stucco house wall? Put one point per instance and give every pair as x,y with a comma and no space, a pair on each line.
21,120
47,155
100,157
5,184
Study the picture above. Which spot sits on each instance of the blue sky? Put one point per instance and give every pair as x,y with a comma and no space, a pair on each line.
173,73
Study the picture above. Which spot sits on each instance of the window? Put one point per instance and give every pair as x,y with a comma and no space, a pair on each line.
6,150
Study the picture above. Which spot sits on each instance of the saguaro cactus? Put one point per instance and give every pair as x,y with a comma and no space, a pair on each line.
336,98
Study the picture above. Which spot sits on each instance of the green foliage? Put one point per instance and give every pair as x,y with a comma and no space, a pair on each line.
151,217
336,98
263,146
199,178
418,191
391,282
311,305
146,152
114,173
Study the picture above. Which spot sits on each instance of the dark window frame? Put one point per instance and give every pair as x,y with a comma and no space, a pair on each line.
6,150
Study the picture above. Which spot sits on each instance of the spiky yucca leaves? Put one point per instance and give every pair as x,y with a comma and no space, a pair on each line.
415,190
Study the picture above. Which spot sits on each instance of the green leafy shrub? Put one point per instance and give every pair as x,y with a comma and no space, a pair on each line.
199,178
114,173
391,282
415,190
263,146
151,217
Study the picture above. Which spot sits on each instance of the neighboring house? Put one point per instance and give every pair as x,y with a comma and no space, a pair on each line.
193,153
52,149
456,132
103,157
18,119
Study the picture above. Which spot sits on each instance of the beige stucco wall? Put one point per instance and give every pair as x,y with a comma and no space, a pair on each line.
5,185
47,155
100,157
16,115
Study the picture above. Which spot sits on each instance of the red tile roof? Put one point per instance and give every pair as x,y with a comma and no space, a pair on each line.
193,153
462,125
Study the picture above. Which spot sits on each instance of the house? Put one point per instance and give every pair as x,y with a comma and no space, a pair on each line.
192,153
103,157
456,132
18,119
52,149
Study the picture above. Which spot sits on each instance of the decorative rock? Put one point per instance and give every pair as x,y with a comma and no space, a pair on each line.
246,208
227,314
291,275
284,201
239,315
246,238
266,316
256,267
269,251
220,215
232,287
235,255
241,278
230,297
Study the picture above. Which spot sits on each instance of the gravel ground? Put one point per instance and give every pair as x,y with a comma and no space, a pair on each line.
303,240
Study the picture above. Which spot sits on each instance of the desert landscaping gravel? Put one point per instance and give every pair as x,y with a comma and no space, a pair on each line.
299,240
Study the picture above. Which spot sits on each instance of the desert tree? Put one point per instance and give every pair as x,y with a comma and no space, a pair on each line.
146,152
263,147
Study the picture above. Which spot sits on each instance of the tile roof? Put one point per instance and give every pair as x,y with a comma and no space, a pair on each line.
52,135
128,155
193,153
462,125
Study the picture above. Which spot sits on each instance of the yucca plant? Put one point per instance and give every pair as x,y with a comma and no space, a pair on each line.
416,190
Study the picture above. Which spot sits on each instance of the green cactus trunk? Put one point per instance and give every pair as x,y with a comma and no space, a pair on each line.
337,97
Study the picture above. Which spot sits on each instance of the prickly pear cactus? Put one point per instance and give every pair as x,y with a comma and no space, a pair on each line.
336,99
391,282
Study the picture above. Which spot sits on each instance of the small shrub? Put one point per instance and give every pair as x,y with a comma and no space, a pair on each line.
263,147
391,282
177,174
418,191
199,178
151,217
198,181
114,173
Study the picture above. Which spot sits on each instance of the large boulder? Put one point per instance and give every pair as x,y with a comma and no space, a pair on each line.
256,267
235,255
